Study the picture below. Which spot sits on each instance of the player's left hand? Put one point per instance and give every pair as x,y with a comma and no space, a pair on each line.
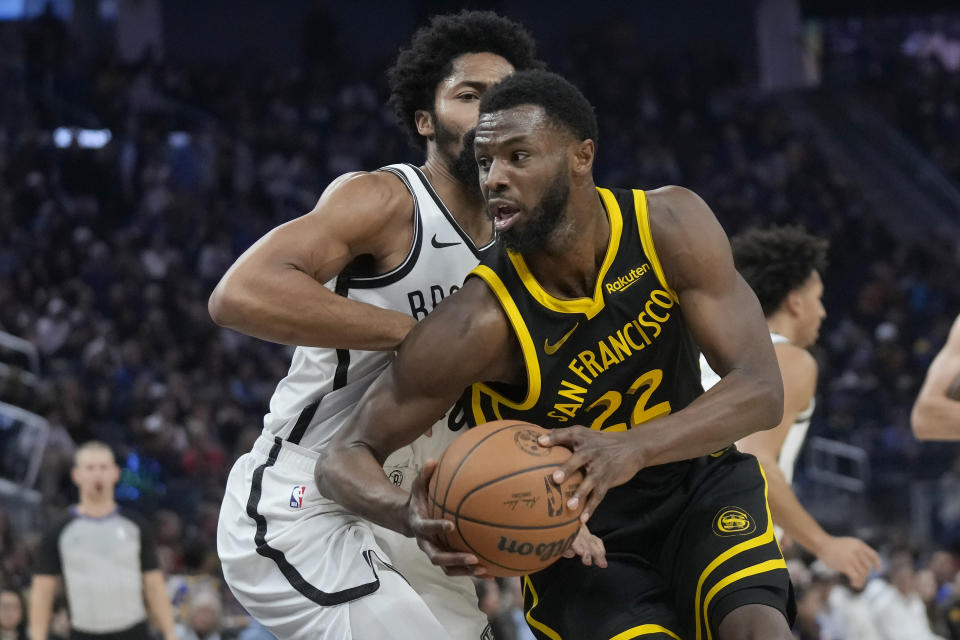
430,533
606,460
589,547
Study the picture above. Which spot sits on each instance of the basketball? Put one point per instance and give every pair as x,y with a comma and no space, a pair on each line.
494,484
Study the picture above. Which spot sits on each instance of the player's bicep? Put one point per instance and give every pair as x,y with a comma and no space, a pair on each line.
358,214
945,368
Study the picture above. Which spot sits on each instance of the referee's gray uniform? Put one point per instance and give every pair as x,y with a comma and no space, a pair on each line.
102,561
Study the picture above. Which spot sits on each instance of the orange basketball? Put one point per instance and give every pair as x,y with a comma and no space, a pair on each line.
493,483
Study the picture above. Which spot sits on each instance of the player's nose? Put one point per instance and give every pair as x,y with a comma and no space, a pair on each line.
496,179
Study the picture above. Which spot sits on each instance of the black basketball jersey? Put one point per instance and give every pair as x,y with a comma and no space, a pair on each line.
610,362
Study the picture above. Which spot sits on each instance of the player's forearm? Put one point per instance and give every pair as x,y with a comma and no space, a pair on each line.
352,477
787,511
936,419
288,306
740,404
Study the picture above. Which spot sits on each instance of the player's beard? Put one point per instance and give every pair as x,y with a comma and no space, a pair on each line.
542,220
463,166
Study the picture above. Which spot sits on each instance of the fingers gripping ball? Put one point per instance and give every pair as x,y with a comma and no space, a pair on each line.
493,483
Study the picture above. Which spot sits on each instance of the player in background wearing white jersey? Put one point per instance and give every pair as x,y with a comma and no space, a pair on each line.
345,283
783,265
936,413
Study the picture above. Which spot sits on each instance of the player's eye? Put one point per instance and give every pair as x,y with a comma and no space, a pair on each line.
467,97
483,162
519,156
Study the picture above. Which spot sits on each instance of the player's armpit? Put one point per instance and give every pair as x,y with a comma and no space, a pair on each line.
275,291
799,373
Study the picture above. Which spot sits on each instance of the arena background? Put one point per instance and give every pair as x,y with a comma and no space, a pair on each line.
145,144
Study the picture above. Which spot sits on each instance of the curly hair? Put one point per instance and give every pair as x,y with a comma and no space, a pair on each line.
562,102
777,260
413,79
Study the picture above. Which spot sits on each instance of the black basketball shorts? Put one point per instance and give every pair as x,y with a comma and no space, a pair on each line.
675,570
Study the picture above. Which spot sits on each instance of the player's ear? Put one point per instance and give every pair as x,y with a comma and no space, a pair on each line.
583,155
794,303
424,122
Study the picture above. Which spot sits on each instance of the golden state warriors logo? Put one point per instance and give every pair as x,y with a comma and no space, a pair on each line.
733,521
526,439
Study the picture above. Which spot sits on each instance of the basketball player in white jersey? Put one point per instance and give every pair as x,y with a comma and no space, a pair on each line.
345,283
936,413
783,265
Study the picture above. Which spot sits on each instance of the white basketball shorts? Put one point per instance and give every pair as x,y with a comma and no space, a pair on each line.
306,568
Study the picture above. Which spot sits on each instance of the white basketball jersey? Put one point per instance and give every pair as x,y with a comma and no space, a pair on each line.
792,444
323,385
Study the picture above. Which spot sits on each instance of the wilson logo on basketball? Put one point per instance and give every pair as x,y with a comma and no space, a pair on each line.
545,550
733,521
527,441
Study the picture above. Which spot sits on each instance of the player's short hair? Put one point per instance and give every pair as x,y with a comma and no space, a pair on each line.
562,102
777,260
91,445
413,79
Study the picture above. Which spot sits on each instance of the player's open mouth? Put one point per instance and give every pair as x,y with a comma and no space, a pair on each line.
504,215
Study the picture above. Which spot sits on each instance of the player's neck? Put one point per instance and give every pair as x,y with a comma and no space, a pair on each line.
569,264
782,325
465,204
95,507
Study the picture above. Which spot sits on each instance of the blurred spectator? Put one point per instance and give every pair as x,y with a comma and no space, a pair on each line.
204,617
13,614
897,607
850,615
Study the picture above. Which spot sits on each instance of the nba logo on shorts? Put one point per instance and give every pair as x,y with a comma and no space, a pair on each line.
296,497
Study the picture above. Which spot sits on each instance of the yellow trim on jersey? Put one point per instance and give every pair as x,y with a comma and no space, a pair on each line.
536,624
762,567
644,630
766,537
646,239
496,285
587,306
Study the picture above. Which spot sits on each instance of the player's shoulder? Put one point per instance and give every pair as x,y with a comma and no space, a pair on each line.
378,193
474,308
476,332
796,362
675,205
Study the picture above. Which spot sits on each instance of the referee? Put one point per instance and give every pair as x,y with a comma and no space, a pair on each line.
107,559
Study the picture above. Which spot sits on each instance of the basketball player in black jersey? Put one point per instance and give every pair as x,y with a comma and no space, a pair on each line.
592,313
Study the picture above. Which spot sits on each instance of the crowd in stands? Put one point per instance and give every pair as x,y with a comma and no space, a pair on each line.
108,255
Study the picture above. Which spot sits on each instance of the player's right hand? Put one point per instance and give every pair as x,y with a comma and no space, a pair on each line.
431,534
852,557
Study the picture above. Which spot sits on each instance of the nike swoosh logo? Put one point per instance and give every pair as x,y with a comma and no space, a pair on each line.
441,245
551,349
